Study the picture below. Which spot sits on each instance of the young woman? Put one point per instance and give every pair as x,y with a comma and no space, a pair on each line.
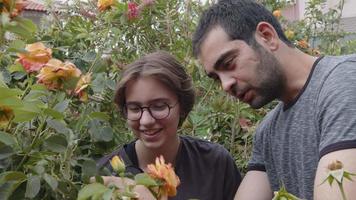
155,95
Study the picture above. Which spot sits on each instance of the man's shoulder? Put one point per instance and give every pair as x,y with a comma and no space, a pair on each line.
270,116
328,64
340,72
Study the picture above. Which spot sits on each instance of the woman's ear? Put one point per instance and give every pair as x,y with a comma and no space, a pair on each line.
267,36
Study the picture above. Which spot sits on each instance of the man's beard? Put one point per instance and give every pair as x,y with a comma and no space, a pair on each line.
270,79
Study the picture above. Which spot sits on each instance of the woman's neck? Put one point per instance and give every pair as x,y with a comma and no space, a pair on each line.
147,156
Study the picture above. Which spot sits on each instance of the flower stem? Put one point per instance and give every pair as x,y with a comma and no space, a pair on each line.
342,191
27,151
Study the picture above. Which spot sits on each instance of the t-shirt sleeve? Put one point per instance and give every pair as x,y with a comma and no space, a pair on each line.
337,109
232,176
257,161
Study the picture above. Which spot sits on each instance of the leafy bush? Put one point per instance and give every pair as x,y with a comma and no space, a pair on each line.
53,131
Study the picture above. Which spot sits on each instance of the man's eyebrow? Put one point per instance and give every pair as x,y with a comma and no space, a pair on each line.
219,62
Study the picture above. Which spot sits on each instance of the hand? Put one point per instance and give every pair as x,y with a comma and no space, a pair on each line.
143,192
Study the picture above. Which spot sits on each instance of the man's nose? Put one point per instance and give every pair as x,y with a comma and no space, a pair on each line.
227,83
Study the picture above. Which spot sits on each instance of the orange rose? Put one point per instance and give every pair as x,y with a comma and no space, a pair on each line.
35,58
14,8
55,72
83,83
105,4
277,13
6,114
165,173
302,44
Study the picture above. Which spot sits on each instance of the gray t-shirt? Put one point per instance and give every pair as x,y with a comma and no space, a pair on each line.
292,138
206,170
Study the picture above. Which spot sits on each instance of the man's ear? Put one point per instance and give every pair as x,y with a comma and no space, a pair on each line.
267,36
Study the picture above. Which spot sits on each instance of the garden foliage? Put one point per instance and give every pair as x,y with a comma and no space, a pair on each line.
57,83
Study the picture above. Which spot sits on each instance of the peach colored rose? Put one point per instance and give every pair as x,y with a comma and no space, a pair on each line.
35,58
302,44
6,114
15,9
55,73
105,4
277,13
164,172
83,83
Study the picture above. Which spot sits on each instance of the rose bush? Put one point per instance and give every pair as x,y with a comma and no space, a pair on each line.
56,87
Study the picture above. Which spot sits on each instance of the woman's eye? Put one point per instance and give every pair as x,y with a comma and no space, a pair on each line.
133,109
158,106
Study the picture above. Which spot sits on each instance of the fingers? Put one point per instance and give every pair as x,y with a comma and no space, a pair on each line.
117,181
144,193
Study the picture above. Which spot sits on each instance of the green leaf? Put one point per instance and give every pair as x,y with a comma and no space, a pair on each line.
7,139
108,194
81,36
100,116
98,84
330,180
101,134
145,179
16,68
9,181
56,143
99,179
5,151
24,28
34,95
57,125
89,168
12,176
33,186
106,134
100,66
52,182
26,113
70,83
90,56
90,190
12,102
7,92
17,46
38,87
62,106
2,81
53,113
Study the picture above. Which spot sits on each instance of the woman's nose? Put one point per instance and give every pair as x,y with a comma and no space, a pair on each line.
146,117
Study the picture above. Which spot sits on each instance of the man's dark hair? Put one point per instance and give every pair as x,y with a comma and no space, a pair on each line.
238,18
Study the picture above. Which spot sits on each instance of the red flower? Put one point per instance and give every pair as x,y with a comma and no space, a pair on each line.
133,11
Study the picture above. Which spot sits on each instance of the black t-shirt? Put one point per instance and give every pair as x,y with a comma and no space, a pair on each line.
206,170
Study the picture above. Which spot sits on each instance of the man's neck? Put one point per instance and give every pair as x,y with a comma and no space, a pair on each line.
297,67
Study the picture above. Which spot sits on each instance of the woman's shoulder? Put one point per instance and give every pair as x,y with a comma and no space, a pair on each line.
201,146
